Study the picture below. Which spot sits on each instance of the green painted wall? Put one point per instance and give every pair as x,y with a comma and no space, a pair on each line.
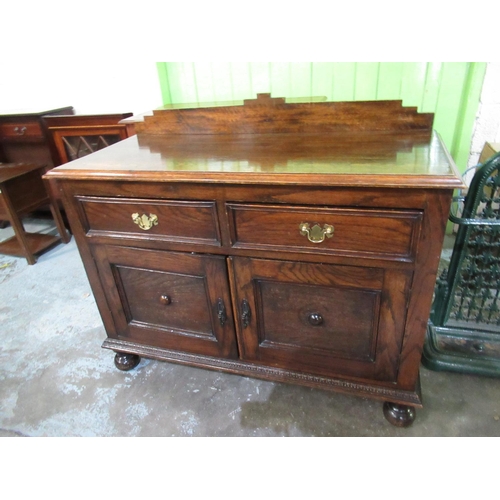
451,90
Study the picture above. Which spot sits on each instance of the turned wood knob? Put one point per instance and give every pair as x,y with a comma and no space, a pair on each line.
315,319
165,300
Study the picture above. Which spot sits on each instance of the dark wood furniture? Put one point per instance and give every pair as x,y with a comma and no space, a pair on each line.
292,242
130,122
74,136
22,190
23,138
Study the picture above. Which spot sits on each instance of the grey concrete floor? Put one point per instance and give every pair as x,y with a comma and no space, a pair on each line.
57,381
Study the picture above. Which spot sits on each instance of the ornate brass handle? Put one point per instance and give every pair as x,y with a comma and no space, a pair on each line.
145,222
316,234
20,131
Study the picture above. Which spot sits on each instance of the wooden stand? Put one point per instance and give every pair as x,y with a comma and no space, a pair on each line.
22,191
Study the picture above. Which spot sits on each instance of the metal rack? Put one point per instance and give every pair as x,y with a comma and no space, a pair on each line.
464,328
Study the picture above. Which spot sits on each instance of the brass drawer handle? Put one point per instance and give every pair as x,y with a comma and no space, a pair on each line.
316,234
20,131
145,222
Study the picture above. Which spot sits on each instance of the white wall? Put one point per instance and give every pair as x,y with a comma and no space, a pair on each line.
87,85
487,125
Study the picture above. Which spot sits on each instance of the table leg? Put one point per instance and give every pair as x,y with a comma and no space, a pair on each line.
18,227
56,213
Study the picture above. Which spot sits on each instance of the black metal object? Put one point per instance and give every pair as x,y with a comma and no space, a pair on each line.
464,328
246,313
221,312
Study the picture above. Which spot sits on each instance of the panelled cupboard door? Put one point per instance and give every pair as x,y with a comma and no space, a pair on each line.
171,300
320,318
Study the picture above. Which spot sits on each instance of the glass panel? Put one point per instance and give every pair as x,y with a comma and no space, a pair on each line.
82,145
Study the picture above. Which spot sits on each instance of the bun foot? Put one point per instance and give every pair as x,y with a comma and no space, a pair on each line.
399,415
125,362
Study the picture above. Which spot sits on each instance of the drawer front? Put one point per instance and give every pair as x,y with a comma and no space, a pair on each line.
168,220
321,319
21,130
380,233
170,300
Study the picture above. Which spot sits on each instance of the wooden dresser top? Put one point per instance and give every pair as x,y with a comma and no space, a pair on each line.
269,141
32,112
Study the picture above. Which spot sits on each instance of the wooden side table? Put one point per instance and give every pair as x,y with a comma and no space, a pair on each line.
22,190
23,138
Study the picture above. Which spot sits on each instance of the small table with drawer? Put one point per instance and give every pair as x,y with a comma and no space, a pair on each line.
23,138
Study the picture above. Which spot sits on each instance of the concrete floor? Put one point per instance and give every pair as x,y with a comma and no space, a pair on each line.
57,381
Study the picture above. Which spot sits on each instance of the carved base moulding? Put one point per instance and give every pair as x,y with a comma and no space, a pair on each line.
413,398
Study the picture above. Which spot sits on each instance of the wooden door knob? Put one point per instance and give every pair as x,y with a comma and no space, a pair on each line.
165,300
315,319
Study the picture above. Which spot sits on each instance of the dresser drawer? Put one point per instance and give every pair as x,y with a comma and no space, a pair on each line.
367,232
168,220
21,130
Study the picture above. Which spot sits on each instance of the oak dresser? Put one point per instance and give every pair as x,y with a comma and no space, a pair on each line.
294,242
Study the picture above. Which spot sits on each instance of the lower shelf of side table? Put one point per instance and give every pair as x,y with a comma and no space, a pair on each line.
37,243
